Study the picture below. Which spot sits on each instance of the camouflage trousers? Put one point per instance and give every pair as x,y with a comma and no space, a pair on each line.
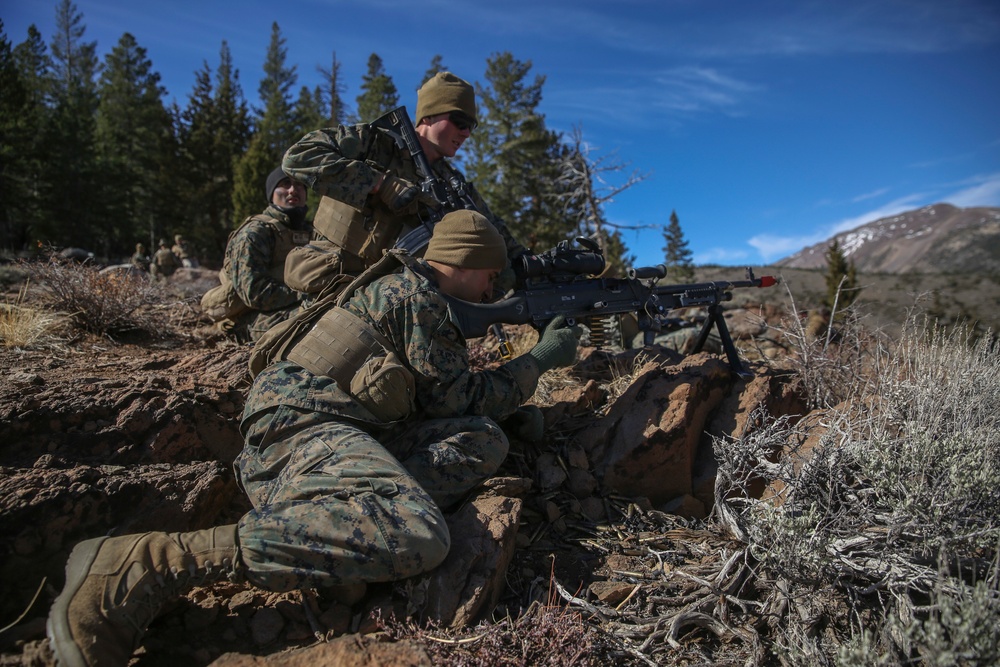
332,505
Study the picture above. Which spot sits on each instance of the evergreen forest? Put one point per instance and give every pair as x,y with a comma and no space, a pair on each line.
93,157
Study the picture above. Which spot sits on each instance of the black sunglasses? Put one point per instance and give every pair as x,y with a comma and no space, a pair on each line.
461,121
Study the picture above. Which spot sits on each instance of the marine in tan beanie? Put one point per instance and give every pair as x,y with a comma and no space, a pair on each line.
444,93
466,253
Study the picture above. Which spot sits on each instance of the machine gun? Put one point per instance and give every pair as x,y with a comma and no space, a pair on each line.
562,283
438,196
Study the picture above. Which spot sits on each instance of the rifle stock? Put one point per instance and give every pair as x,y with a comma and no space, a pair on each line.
597,298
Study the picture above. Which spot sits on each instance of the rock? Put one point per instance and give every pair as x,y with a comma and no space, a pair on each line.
647,442
348,651
611,593
266,626
471,578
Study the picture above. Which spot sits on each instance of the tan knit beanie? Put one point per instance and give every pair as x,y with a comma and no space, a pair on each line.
445,92
467,240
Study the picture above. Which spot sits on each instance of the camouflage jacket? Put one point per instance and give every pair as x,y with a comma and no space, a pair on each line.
166,261
141,261
407,308
255,259
344,163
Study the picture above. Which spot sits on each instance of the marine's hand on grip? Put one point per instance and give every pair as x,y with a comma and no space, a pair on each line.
397,193
557,345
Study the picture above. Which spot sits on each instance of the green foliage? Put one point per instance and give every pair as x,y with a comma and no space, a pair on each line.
677,255
842,287
199,169
513,158
132,134
212,131
71,190
275,131
308,111
378,92
15,108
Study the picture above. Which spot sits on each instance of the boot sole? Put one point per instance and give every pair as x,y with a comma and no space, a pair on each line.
67,651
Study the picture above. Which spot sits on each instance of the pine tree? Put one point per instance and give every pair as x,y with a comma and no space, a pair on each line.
25,131
214,131
677,255
582,191
332,91
841,280
133,141
378,92
71,188
436,67
275,131
512,157
18,118
309,110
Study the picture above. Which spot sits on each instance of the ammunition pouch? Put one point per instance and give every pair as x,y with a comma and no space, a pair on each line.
328,340
221,302
365,233
344,347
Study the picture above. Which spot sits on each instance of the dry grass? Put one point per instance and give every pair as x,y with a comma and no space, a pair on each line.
883,548
548,635
101,302
23,327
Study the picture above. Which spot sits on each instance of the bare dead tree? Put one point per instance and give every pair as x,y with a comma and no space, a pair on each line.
585,187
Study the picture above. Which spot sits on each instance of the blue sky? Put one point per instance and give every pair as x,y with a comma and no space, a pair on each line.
767,126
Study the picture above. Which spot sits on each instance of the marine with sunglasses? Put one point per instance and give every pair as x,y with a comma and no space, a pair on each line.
369,189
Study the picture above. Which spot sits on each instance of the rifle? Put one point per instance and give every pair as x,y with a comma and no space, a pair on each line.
554,288
435,193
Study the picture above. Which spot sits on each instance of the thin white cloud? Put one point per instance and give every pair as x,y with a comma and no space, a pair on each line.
724,256
772,247
870,195
698,89
983,191
895,207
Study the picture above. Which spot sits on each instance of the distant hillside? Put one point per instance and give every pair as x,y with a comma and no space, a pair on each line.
935,239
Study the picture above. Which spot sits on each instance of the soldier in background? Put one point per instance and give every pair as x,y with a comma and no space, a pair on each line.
164,262
140,259
369,187
182,248
252,295
349,476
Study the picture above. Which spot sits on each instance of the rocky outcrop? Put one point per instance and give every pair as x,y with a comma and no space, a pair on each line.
111,442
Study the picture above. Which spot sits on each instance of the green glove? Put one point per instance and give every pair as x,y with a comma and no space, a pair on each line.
557,345
397,193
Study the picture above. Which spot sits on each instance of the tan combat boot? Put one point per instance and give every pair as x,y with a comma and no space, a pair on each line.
116,586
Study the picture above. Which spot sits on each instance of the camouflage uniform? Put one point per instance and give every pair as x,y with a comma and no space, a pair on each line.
182,248
254,265
140,259
339,498
344,164
164,263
